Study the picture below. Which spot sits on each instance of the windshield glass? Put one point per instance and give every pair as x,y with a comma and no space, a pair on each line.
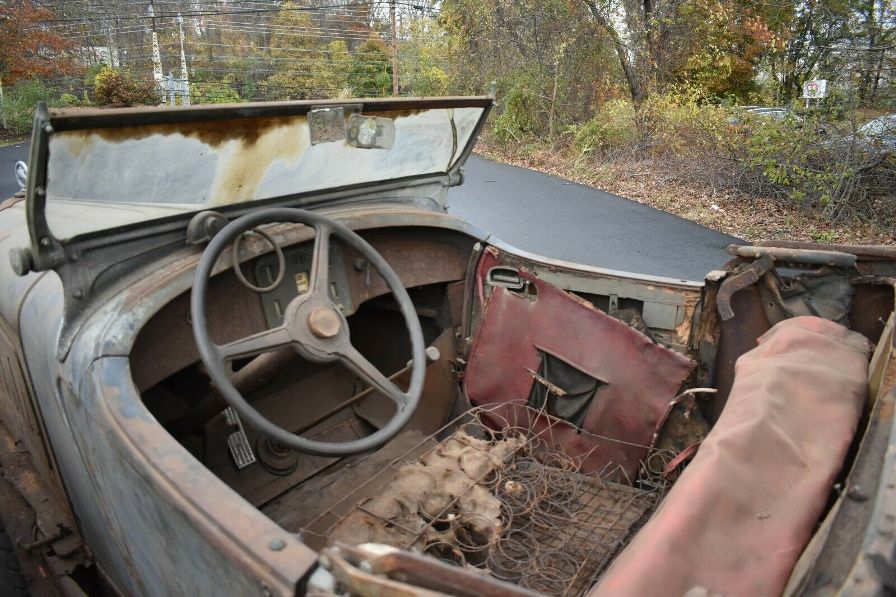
100,178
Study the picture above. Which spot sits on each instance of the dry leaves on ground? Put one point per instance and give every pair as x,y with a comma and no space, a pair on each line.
751,218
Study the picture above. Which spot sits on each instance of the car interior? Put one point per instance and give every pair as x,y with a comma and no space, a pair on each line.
561,406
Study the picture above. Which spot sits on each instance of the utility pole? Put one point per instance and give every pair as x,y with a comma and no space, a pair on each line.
156,55
184,76
394,49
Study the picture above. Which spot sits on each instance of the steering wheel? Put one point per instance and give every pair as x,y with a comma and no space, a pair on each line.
313,327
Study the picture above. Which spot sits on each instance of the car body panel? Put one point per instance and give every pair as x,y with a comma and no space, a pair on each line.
145,505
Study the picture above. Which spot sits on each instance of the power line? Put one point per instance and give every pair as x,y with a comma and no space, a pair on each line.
200,13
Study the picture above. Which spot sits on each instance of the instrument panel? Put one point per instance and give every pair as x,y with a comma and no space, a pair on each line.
297,280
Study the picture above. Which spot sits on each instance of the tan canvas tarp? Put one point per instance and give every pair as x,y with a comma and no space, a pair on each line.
743,510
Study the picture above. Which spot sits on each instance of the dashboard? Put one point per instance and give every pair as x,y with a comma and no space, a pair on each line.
296,280
420,256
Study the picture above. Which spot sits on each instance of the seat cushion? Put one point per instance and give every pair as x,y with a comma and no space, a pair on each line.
744,509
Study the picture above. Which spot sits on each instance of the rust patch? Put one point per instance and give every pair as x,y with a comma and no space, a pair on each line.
887,385
211,132
393,114
886,411
683,330
217,132
77,142
241,169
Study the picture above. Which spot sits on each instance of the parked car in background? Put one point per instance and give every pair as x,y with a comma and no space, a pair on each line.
743,113
774,113
880,133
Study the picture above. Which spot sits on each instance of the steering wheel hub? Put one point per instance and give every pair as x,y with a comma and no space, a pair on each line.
324,322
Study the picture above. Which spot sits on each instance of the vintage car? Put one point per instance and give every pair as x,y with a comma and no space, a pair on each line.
245,350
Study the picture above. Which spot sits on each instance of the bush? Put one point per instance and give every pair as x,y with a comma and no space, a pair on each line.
793,159
664,125
796,160
682,126
213,92
613,127
20,100
790,158
118,89
518,110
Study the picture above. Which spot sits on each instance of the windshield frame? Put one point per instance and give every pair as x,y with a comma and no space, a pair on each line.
48,252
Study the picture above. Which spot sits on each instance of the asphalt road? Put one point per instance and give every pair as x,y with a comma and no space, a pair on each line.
564,220
552,217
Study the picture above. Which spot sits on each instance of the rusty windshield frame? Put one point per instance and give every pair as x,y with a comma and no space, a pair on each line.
48,251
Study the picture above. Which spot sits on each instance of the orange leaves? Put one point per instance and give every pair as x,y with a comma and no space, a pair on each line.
29,47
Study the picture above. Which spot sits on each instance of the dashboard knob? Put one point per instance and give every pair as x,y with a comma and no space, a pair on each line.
21,260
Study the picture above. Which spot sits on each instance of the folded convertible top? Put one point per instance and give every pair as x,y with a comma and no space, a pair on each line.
743,510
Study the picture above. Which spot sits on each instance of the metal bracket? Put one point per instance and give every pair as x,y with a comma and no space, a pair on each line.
384,570
505,277
204,226
733,284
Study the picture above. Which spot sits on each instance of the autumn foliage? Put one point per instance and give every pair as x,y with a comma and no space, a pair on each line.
117,89
29,47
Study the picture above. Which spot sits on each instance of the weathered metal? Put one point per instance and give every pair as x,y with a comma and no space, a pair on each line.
747,276
118,464
870,259
422,572
794,256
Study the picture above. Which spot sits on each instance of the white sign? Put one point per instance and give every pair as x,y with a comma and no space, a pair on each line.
816,89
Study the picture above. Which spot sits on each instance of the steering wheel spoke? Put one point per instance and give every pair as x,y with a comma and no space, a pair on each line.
360,366
320,261
266,341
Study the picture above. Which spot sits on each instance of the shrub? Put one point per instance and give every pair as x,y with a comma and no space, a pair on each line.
796,160
518,110
118,89
664,125
213,92
20,100
613,127
681,126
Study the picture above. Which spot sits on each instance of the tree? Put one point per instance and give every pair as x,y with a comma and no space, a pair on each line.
807,34
28,48
371,70
423,55
633,27
330,74
719,54
551,66
292,54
